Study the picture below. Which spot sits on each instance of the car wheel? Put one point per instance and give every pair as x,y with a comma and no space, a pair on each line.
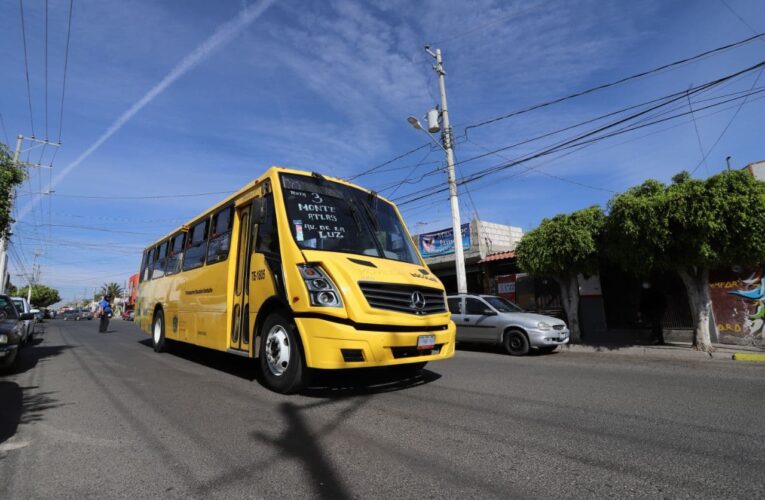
281,358
158,331
547,349
516,343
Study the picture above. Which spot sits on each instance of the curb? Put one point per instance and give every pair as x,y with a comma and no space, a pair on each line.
748,356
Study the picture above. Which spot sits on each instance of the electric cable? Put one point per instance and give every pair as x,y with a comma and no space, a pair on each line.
26,67
614,83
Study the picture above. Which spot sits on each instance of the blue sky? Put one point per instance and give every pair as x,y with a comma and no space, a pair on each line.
327,86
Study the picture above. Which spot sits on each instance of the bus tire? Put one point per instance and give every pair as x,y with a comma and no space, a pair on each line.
158,331
281,358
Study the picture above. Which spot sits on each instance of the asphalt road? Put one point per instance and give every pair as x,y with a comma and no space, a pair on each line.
103,416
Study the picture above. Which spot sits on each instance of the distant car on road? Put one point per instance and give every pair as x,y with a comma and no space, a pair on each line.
38,314
71,314
86,314
11,332
492,319
23,307
128,315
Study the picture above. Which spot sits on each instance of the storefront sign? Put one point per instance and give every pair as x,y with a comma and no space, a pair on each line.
506,287
442,242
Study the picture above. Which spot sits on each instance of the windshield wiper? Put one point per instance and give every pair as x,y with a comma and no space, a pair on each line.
371,214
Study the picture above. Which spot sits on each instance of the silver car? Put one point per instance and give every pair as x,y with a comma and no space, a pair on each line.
492,319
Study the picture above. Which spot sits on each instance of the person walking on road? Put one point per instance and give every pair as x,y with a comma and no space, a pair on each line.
104,313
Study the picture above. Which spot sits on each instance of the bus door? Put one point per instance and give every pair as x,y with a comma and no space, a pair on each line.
240,312
265,262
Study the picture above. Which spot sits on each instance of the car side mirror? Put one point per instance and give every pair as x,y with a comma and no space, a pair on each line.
489,312
27,316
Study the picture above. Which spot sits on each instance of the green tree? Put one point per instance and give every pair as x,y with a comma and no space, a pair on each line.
690,227
11,175
113,289
562,248
42,296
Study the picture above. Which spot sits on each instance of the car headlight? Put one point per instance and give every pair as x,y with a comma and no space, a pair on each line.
321,290
3,338
543,326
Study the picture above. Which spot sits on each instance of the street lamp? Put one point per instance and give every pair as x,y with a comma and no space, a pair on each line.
446,143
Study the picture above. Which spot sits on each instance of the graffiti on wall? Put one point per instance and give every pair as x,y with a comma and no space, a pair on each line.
739,307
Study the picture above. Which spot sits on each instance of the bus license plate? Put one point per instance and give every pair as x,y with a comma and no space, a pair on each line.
426,342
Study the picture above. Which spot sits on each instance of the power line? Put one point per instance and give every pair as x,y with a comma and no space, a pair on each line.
741,105
408,176
26,67
5,133
576,142
150,197
66,64
662,101
376,167
698,135
614,83
46,76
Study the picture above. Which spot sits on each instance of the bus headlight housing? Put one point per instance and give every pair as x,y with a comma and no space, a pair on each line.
3,338
321,290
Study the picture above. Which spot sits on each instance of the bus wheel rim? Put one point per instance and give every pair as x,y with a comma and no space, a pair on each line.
277,350
157,331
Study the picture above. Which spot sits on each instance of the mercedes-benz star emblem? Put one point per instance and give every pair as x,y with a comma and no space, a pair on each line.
418,300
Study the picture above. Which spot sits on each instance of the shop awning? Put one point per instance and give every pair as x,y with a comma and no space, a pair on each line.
498,256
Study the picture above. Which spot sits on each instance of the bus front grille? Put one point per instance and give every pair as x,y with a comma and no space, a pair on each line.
404,298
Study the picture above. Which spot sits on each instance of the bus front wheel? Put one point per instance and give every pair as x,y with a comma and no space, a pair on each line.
281,360
158,331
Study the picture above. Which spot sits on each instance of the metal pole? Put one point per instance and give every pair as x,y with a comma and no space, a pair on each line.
4,240
727,160
446,136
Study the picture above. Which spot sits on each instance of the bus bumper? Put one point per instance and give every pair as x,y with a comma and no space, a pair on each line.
332,345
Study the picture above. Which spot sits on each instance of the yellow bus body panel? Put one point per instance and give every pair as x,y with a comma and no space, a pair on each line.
197,304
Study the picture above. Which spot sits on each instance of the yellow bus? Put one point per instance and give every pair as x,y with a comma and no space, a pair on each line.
301,271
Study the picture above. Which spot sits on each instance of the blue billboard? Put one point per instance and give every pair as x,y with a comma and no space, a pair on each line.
442,242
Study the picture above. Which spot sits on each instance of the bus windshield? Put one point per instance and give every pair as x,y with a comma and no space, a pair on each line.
326,215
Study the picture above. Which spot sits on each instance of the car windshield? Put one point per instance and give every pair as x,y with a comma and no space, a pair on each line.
326,215
502,305
8,309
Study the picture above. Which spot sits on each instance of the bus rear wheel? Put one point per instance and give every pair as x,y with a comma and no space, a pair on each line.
158,331
281,359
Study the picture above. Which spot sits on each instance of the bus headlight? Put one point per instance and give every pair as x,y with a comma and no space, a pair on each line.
3,338
321,290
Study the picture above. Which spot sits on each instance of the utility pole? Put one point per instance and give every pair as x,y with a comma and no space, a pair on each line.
4,241
35,275
448,145
36,143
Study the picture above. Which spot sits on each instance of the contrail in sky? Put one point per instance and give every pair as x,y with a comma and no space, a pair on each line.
221,37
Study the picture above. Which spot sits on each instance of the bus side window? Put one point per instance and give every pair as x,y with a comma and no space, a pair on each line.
159,266
196,247
220,237
268,234
175,254
144,268
149,265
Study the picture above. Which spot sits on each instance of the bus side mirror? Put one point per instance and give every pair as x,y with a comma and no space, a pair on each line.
258,210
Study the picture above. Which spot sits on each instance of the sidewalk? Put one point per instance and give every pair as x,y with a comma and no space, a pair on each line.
677,350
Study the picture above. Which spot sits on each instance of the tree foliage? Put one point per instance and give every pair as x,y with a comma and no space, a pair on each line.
42,296
689,224
11,175
113,289
563,246
689,227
